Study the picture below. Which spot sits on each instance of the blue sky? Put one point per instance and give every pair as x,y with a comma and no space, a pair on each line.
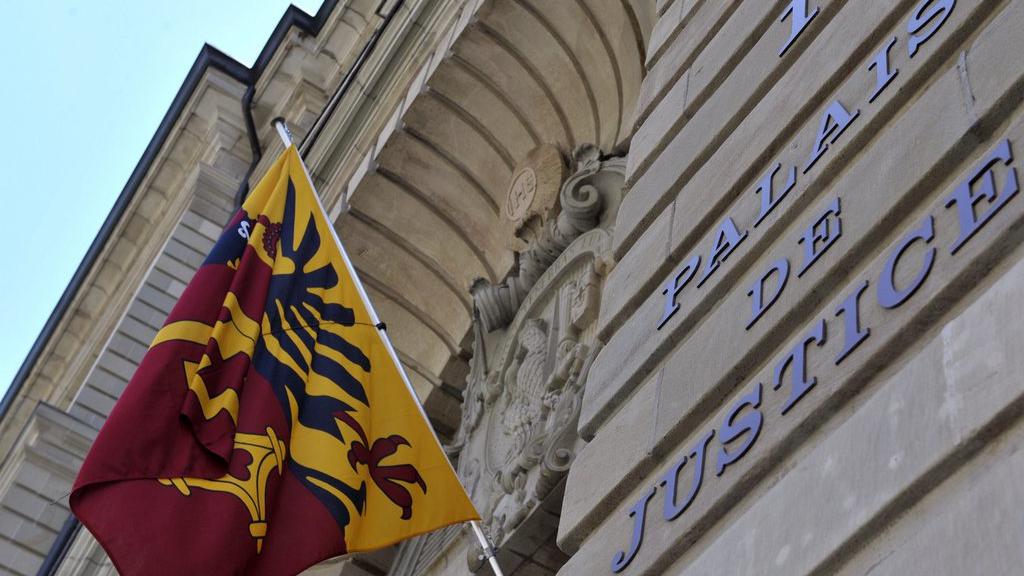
85,85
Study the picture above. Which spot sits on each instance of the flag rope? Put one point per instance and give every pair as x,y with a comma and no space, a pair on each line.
286,138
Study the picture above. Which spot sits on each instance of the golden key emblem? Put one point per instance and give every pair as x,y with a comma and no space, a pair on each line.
268,453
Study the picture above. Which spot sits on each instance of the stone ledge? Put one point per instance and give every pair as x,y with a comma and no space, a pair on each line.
619,292
708,19
969,525
669,25
738,65
625,445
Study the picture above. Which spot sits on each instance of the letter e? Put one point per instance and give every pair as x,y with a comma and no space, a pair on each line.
965,199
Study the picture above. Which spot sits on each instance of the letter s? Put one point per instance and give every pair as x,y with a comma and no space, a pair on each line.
925,12
732,428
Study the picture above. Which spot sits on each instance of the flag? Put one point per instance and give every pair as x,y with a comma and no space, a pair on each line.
268,426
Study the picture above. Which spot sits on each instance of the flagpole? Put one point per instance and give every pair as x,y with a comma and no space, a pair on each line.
286,137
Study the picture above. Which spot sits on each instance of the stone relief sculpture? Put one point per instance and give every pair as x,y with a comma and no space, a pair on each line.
530,438
525,385
473,394
546,228
533,346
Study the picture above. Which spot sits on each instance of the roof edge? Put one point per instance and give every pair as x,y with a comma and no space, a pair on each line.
209,58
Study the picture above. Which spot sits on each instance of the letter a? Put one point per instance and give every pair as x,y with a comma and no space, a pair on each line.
835,121
726,241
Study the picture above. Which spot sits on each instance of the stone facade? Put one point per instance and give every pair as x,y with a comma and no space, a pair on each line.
799,341
686,287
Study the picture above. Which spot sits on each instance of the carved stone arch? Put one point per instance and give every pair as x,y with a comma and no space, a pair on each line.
424,203
503,104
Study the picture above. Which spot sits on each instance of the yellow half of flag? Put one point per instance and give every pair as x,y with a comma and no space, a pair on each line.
385,442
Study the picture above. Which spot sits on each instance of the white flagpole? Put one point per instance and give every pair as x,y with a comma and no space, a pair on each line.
286,137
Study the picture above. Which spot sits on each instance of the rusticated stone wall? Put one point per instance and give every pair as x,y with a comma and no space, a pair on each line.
810,359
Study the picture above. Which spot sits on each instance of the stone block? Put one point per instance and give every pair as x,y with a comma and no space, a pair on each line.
136,228
56,493
623,443
95,400
24,502
739,64
176,289
629,357
93,301
192,239
110,275
159,279
66,347
31,473
618,294
127,347
184,253
663,5
174,268
707,19
137,330
150,206
156,298
669,25
10,523
146,314
209,229
19,560
969,526
86,416
668,115
210,211
117,365
34,536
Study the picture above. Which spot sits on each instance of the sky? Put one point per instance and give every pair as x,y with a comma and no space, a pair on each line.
86,84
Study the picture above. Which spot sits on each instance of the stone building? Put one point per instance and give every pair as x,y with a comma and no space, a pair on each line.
686,286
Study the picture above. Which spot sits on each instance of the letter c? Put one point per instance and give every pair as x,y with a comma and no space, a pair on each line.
888,295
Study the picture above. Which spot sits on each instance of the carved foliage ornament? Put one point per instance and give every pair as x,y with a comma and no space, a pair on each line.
547,223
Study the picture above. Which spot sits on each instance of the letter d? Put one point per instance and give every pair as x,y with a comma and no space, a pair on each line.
759,304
